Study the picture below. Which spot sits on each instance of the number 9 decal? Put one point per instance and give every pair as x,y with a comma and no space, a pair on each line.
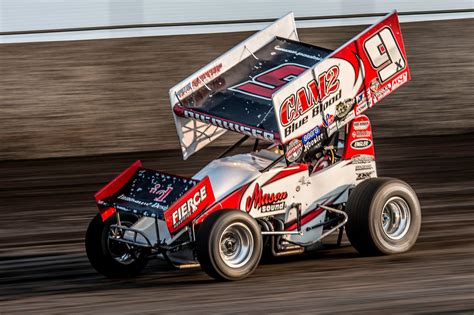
384,54
266,83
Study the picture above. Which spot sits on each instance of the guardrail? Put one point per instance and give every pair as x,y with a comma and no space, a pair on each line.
38,21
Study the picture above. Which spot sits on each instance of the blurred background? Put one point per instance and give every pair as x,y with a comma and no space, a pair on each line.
84,93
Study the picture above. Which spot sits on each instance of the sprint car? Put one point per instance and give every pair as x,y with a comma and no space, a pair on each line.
311,171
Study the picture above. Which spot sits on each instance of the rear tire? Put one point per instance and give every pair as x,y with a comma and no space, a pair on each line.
109,258
384,217
229,245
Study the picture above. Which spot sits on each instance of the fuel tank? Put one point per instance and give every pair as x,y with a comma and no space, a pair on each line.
229,173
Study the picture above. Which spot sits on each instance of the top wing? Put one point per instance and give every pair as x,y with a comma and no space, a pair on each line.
240,99
194,134
345,84
275,88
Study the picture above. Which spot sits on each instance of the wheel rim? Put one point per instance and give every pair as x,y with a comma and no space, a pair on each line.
396,218
119,251
236,245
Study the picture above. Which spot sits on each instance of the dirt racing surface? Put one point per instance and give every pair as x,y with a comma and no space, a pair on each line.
47,204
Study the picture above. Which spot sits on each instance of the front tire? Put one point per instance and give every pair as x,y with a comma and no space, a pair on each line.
111,258
229,245
384,217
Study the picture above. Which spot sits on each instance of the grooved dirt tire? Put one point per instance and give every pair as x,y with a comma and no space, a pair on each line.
110,258
229,245
384,217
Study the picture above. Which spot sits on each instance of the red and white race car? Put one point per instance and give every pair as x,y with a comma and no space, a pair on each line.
316,174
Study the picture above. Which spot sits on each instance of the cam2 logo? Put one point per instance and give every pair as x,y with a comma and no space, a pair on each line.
307,97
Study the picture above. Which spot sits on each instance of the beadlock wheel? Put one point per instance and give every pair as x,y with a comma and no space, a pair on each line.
111,258
120,252
229,244
384,217
236,245
396,218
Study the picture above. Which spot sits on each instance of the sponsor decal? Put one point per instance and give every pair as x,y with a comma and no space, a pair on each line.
298,53
247,130
186,208
363,167
160,193
375,85
361,98
209,74
265,202
362,108
338,81
288,115
313,139
365,175
329,82
201,94
311,135
361,144
184,91
315,143
343,108
331,129
361,125
360,134
199,80
328,119
362,158
332,89
402,78
308,102
294,150
347,119
155,205
362,103
383,92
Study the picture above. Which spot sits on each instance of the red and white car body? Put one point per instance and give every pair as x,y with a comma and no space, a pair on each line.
305,101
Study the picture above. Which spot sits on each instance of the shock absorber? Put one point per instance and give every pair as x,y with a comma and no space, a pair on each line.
281,249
